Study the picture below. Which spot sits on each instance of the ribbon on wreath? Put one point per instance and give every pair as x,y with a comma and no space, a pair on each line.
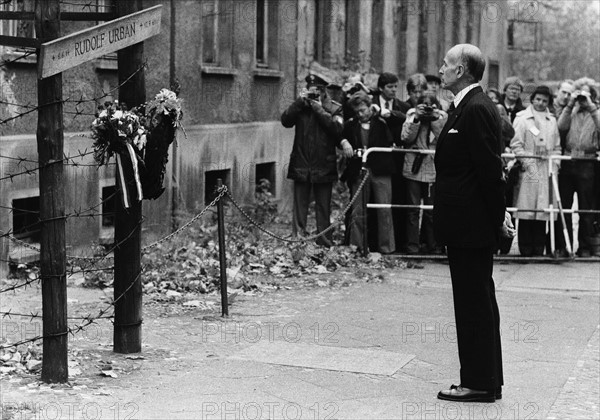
124,173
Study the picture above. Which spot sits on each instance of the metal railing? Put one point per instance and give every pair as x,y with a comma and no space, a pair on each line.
553,190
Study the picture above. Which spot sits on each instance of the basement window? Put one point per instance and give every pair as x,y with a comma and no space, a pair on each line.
109,201
265,177
26,219
210,183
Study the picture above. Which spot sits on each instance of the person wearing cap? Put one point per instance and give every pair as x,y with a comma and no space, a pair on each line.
536,133
580,121
318,124
511,98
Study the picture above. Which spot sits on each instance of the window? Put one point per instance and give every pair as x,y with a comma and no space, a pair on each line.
323,17
109,202
108,61
352,29
267,34
26,219
523,35
265,176
210,183
217,30
18,28
494,74
109,196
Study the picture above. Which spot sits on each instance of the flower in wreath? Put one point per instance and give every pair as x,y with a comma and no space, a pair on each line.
113,129
165,105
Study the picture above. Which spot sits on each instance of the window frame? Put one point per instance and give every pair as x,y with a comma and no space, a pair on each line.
223,13
17,54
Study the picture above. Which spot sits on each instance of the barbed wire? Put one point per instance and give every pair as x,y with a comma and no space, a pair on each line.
25,54
78,328
77,102
32,316
66,160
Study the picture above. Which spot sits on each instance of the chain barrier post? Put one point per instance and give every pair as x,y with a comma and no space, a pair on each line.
365,200
222,256
551,208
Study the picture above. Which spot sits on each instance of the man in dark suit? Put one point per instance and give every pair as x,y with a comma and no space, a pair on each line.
368,129
393,111
469,217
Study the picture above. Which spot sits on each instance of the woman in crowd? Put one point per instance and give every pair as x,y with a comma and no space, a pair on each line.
420,131
536,133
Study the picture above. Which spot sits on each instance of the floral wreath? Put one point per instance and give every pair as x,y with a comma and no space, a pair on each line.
139,139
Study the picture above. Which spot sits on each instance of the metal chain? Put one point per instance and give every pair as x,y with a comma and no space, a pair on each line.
222,191
308,238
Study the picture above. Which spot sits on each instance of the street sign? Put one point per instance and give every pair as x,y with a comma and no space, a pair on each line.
69,51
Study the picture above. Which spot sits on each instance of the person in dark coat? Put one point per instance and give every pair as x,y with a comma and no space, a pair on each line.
511,98
368,129
393,111
318,123
469,217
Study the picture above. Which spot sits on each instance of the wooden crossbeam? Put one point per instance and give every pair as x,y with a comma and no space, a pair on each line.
19,41
67,16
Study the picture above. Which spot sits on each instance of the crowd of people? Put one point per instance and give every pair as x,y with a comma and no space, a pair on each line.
352,118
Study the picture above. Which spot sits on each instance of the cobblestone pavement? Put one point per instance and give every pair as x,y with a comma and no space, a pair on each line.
580,397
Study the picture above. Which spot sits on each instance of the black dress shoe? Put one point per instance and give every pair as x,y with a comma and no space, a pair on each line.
497,394
460,394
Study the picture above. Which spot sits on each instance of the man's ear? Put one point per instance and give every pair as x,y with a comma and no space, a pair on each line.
460,71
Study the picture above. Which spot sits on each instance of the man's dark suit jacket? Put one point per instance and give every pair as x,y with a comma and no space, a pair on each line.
469,190
379,136
397,117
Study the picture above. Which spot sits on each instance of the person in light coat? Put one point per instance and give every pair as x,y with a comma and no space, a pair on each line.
420,131
536,133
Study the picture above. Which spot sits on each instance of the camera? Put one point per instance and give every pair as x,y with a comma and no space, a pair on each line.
427,114
581,98
313,96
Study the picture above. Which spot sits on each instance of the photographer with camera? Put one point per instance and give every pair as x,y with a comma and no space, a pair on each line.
580,122
368,129
420,131
318,123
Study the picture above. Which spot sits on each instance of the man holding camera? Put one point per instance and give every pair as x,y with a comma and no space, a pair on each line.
368,129
580,123
318,123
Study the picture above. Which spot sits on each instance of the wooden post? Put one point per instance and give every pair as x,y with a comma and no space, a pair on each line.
174,148
128,308
50,138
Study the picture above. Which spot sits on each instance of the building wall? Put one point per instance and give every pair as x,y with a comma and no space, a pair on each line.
232,103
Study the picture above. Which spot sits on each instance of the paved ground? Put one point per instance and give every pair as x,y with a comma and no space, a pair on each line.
325,353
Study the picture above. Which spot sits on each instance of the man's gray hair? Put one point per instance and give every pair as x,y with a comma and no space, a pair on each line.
472,58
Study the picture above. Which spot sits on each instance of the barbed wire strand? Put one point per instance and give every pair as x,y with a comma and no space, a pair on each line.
78,328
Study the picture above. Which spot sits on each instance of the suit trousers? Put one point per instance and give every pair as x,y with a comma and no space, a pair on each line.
381,189
477,317
577,177
532,237
417,191
322,193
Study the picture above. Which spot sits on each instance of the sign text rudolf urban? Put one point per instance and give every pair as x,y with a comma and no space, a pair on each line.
77,48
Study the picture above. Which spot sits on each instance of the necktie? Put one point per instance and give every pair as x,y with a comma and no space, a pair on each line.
451,108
